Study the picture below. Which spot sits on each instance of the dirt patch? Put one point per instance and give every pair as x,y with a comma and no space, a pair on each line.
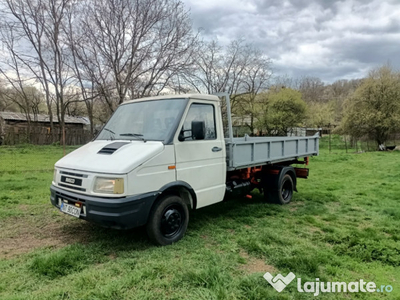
23,207
255,265
295,205
11,247
112,256
333,207
210,243
24,234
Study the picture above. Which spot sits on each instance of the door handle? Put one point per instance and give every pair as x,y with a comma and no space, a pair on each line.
216,149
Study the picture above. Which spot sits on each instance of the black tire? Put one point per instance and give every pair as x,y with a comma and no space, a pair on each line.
168,220
284,193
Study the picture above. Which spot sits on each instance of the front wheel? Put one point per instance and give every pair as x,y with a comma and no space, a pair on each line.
284,193
168,221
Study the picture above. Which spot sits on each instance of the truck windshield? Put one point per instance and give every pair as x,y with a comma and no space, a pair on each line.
152,120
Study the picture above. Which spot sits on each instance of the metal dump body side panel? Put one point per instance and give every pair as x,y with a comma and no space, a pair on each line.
255,151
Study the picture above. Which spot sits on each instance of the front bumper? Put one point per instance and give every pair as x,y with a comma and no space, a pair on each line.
119,213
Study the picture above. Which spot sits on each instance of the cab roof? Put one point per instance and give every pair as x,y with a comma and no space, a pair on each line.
180,96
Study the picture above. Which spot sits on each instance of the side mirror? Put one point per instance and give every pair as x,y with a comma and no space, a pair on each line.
198,130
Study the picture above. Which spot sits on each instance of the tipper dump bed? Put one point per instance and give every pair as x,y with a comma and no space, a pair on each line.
255,151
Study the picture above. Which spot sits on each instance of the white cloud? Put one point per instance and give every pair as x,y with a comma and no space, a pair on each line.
327,39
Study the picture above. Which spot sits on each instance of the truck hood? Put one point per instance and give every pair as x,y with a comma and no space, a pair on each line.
110,157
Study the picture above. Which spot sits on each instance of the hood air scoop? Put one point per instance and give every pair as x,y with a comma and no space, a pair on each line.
111,148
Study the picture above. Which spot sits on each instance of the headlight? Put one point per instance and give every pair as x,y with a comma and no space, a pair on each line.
109,185
55,175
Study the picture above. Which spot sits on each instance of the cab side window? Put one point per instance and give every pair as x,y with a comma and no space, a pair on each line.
199,116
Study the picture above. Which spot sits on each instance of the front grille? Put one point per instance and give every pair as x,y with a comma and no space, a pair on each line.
72,180
72,187
73,174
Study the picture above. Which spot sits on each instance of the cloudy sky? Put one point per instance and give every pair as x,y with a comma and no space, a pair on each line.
320,38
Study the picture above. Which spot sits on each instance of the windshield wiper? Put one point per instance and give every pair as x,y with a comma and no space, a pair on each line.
137,135
112,136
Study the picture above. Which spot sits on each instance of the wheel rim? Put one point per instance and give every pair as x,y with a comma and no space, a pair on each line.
172,220
286,190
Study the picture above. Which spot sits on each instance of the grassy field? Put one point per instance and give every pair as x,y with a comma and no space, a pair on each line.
343,225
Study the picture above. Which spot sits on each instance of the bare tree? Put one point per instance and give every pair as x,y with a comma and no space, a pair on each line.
255,79
20,92
285,81
5,102
238,69
337,93
133,48
83,61
217,69
38,24
312,89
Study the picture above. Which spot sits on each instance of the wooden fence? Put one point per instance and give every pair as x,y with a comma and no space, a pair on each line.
41,136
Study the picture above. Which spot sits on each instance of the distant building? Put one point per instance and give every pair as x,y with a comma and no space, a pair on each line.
14,129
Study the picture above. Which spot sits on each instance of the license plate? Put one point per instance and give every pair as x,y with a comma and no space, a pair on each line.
70,209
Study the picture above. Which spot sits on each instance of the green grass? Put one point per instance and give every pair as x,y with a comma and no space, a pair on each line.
343,225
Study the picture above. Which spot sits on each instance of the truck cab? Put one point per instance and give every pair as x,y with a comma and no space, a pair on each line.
155,159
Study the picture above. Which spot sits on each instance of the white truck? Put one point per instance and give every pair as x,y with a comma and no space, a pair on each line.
159,157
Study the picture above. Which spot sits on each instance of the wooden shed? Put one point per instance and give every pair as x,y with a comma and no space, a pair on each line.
15,129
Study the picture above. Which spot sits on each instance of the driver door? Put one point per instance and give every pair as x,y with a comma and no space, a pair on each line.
201,162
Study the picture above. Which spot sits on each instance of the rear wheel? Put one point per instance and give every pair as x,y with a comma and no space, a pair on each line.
284,193
168,221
